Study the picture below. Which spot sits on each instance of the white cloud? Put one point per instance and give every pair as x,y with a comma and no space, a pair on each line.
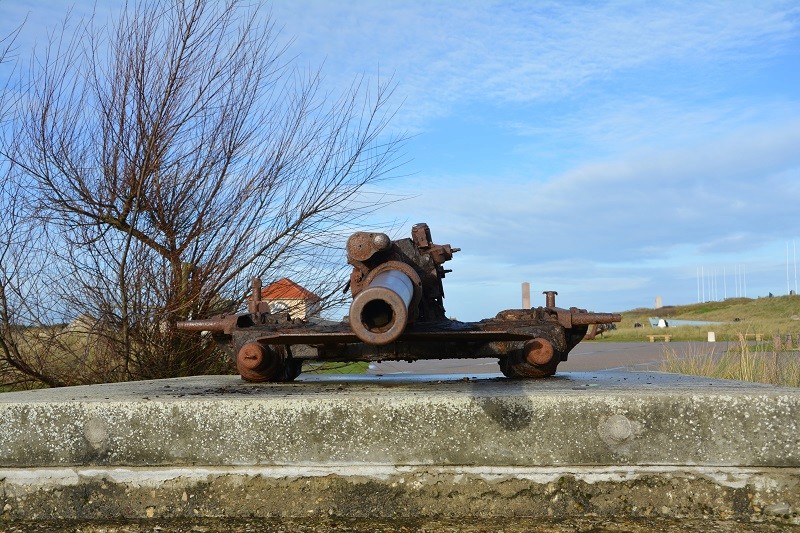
619,227
449,53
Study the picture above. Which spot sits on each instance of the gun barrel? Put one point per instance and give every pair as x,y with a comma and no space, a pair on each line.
584,319
379,313
217,324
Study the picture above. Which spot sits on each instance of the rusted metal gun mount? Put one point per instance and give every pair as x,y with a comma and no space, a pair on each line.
398,313
395,283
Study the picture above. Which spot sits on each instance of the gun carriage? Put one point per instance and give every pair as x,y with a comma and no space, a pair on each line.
397,313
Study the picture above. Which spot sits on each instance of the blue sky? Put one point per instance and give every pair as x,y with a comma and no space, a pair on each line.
604,150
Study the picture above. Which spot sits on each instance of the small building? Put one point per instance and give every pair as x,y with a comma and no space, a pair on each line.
285,295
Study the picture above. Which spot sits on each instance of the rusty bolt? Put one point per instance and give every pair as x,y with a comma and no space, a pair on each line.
538,352
550,298
255,295
381,241
256,362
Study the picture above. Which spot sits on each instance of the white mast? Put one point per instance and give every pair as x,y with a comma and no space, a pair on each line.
698,284
744,279
703,276
794,243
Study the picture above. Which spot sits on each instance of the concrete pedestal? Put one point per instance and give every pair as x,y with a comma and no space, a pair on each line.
577,444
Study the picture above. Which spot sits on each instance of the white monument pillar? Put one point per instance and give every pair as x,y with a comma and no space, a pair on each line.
526,295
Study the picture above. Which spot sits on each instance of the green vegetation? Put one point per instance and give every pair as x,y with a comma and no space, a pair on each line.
315,367
768,362
768,316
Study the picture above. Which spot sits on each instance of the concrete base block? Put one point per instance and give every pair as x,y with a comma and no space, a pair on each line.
594,444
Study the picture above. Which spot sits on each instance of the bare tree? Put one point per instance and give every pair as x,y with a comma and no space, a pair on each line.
176,152
17,369
35,348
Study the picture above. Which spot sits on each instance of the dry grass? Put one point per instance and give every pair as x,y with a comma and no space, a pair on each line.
69,355
777,363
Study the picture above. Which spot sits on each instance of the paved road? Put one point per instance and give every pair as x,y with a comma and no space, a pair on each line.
585,357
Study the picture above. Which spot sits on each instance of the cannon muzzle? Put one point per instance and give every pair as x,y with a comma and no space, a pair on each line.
379,313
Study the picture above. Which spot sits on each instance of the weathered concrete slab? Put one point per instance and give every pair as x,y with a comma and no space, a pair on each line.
574,419
635,444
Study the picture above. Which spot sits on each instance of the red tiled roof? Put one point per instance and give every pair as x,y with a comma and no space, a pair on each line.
286,289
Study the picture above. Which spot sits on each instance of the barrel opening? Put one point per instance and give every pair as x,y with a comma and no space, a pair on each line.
245,321
377,316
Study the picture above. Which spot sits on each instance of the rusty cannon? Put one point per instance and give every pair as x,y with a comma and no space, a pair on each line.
395,283
397,313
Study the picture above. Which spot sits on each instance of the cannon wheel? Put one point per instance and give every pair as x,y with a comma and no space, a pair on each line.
257,362
524,370
536,359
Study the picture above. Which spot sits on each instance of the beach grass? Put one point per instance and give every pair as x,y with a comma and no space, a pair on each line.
775,362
